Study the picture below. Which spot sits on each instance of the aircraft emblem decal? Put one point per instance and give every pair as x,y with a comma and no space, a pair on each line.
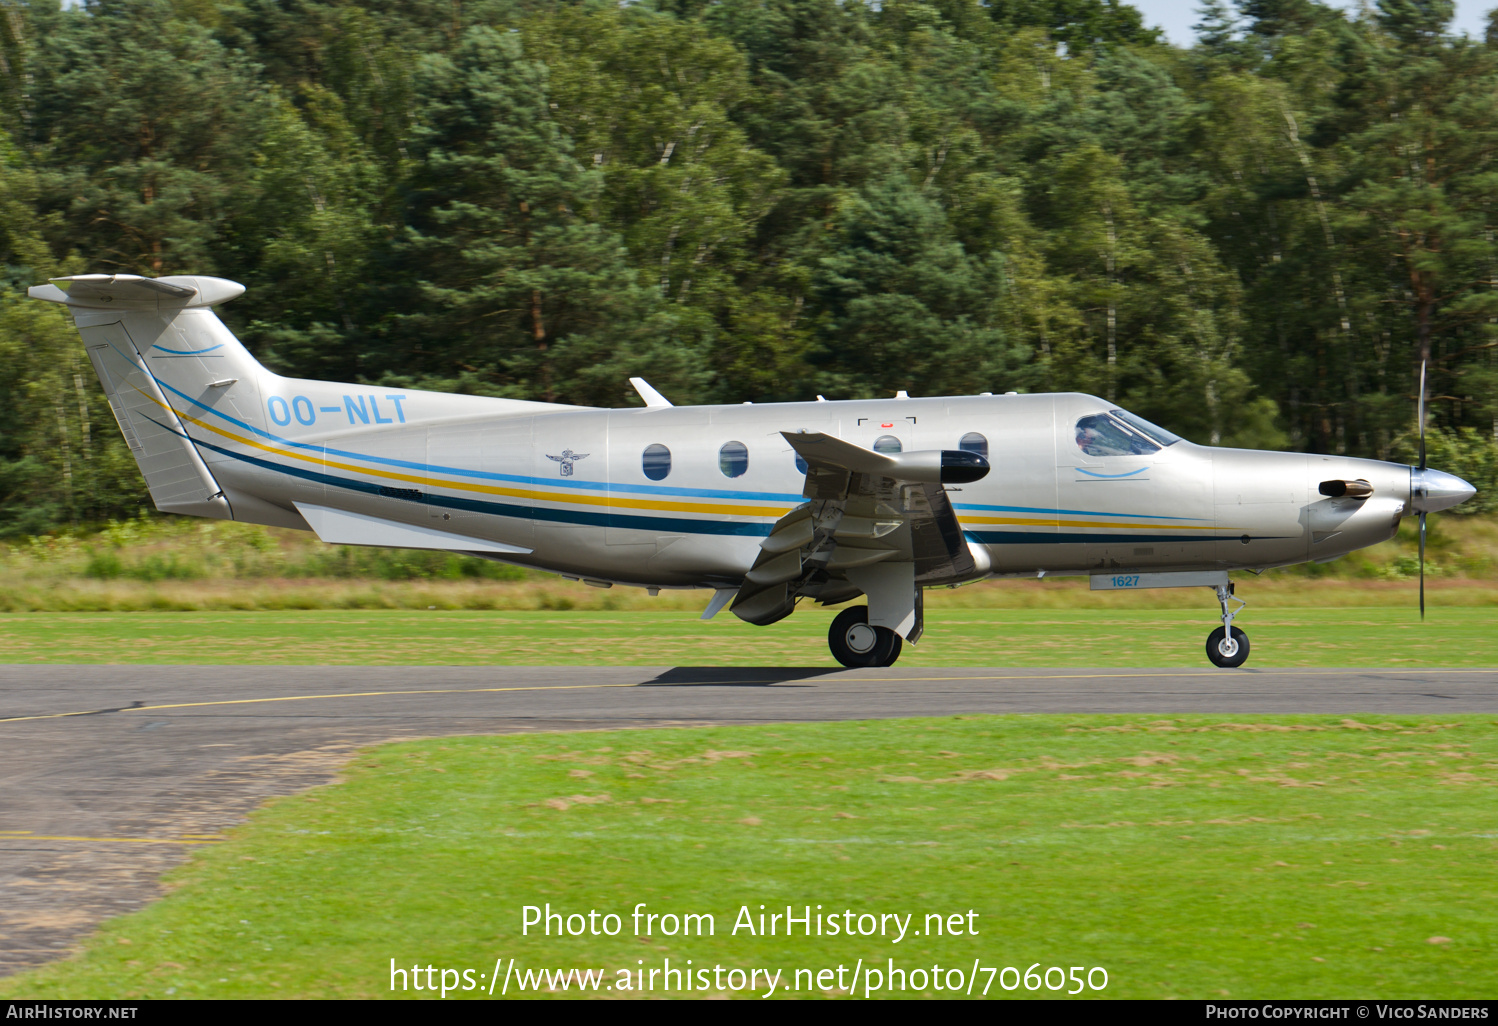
567,459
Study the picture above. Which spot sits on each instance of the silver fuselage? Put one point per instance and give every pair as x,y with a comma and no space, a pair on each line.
667,496
495,469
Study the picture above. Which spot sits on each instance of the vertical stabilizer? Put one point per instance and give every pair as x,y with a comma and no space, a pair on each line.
179,480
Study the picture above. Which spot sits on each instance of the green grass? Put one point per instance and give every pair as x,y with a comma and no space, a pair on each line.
1198,856
1451,636
161,563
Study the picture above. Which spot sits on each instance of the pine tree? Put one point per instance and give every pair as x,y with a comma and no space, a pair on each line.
649,101
905,306
148,127
524,294
1418,132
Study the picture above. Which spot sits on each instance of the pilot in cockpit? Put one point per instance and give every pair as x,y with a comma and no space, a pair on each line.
1119,433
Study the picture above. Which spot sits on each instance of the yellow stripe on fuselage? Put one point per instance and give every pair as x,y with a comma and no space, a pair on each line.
611,501
514,493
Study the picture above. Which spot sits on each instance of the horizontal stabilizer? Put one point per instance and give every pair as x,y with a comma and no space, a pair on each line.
107,291
340,527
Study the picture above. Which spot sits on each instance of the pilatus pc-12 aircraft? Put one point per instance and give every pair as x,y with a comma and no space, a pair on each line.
766,504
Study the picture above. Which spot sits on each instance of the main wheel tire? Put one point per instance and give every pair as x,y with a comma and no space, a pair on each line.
896,643
1224,653
855,644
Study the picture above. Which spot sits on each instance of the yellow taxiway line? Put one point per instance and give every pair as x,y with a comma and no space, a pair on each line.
678,684
27,835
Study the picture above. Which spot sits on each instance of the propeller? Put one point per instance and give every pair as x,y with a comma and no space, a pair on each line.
1421,417
1432,490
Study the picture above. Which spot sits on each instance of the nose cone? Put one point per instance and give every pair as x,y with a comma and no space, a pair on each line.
1433,490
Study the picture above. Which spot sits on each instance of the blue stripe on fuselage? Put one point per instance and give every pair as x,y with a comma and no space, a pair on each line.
503,509
549,482
707,493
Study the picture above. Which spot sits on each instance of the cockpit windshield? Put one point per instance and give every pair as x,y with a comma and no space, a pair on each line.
1120,433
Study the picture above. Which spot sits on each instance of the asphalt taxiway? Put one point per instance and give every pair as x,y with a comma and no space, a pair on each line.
109,775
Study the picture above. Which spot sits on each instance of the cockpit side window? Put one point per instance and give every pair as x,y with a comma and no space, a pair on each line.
1154,431
1102,434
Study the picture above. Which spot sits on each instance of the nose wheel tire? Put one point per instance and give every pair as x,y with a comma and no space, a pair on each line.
1227,652
855,644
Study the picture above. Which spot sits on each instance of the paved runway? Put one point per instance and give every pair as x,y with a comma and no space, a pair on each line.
109,775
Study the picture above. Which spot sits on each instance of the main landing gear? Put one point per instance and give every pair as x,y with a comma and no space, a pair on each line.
1227,646
854,643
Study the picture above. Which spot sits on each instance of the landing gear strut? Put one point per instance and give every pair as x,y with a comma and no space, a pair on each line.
854,643
1227,646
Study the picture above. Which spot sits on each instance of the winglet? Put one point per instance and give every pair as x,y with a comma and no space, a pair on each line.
651,396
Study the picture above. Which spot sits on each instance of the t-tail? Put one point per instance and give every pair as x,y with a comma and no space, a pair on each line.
217,435
158,347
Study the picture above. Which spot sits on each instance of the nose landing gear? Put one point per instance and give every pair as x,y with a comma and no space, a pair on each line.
855,644
1227,646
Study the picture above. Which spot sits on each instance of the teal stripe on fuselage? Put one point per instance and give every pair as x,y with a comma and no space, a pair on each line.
708,493
503,509
1075,538
551,482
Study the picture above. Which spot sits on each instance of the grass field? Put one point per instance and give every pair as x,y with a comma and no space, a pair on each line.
1195,857
1450,636
1191,857
159,563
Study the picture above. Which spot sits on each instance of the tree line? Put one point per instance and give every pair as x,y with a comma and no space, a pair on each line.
1254,240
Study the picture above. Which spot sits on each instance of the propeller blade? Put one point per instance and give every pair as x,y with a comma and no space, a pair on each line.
1422,566
1421,418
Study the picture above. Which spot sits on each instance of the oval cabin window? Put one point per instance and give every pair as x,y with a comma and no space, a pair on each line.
974,442
656,461
733,459
887,444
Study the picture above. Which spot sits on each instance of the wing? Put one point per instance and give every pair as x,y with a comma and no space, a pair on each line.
551,457
873,523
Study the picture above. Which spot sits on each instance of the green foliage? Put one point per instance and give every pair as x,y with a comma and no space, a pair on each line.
1470,455
145,127
1255,241
1077,23
905,306
397,565
520,286
151,550
1224,835
649,100
62,460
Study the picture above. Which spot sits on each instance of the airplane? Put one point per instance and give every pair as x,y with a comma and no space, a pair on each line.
766,504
